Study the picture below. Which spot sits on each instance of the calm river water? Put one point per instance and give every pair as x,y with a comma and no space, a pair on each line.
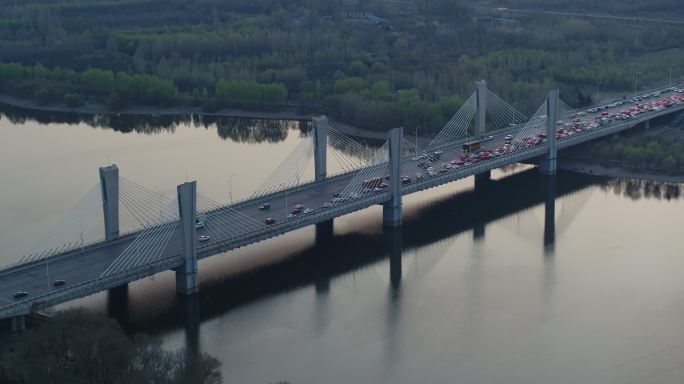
509,283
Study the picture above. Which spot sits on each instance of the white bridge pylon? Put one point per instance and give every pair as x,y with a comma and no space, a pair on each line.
321,141
481,104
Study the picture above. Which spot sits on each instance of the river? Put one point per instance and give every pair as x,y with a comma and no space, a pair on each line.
576,279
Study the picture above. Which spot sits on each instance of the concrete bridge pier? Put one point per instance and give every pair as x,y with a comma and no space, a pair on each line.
550,216
187,281
109,184
324,232
18,324
482,179
481,113
190,312
320,125
547,165
391,210
647,125
117,303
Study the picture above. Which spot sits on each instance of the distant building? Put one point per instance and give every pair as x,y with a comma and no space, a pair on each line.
365,17
496,20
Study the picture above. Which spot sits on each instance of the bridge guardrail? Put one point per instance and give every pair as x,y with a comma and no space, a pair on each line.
47,299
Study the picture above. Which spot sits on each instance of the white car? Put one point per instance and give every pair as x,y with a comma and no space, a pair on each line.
308,210
199,224
203,238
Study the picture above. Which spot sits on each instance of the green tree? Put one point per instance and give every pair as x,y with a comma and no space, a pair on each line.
349,84
78,347
381,90
97,80
670,163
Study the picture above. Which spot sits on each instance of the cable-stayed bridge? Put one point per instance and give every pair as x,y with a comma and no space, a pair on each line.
175,233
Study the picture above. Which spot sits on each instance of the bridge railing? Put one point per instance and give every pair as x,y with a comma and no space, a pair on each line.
88,287
288,225
87,246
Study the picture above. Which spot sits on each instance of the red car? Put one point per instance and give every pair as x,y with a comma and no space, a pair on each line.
269,221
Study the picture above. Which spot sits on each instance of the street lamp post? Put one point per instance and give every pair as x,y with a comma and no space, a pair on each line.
230,187
636,82
417,128
82,240
598,92
513,114
671,65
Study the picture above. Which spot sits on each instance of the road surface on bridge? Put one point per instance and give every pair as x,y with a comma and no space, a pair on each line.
81,266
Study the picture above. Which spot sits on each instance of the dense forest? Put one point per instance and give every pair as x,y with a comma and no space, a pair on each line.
367,63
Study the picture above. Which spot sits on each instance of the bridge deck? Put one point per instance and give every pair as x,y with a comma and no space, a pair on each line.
81,269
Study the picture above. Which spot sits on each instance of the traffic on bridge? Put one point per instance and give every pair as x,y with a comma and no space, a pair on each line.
485,134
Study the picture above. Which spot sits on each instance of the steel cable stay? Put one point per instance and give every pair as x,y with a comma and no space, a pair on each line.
153,240
145,249
350,154
153,198
293,165
357,149
142,210
507,114
531,128
71,230
377,169
458,125
235,222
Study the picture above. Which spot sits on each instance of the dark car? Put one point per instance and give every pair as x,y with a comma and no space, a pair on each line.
269,221
20,294
58,283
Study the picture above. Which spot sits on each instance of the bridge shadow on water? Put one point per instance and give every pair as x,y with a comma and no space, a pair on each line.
333,256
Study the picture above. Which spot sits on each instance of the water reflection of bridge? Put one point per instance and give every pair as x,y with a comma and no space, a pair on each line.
170,233
342,256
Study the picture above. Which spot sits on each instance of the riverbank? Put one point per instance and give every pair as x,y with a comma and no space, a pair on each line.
101,109
595,169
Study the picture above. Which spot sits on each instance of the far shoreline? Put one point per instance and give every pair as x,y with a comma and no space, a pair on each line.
101,109
578,166
597,169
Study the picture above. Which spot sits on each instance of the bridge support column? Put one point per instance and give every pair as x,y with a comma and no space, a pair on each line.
186,275
481,179
481,114
320,125
18,324
109,184
190,307
647,125
391,210
547,165
324,232
550,215
117,303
